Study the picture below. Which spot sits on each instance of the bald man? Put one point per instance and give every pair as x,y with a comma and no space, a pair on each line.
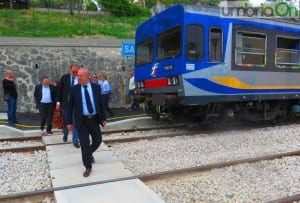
10,90
86,104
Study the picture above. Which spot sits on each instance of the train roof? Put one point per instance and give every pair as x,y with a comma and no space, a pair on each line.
178,11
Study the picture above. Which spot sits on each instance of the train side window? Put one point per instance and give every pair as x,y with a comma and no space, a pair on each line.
287,52
250,50
168,43
215,45
194,42
144,52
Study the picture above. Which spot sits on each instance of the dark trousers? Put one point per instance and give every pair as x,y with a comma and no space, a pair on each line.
46,115
11,110
89,126
65,130
105,98
132,100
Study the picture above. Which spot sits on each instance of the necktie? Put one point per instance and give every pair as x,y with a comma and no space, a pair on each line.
88,100
73,79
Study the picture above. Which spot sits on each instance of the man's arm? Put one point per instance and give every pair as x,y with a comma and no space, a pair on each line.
70,109
36,95
58,96
102,114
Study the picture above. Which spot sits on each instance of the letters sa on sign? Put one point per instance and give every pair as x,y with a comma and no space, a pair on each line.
128,49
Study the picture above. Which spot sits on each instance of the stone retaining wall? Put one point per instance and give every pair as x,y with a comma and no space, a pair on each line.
31,58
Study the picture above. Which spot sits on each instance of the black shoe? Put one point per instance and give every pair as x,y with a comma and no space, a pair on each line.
12,124
76,145
87,172
49,132
65,138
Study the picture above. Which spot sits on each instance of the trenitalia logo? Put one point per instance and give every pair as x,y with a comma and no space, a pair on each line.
154,70
237,9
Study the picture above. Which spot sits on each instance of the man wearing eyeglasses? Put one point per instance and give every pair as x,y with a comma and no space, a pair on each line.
63,91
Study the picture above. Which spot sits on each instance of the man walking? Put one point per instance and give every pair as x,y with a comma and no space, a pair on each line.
11,95
63,91
44,96
86,105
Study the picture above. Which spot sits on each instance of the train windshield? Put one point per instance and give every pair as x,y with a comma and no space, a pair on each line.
168,43
144,52
194,42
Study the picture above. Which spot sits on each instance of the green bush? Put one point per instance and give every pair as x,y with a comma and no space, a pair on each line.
123,8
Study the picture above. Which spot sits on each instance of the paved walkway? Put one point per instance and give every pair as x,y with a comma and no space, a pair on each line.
109,182
66,171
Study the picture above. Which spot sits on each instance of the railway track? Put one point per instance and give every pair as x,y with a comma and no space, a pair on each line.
162,151
47,193
110,142
126,130
189,130
290,199
20,141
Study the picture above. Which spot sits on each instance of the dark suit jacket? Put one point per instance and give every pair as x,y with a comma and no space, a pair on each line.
38,94
63,90
75,105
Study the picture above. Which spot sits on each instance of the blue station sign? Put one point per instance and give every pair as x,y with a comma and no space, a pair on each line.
128,49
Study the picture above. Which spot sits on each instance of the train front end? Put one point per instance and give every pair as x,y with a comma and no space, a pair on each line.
158,62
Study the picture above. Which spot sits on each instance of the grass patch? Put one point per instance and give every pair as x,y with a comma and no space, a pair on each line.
34,23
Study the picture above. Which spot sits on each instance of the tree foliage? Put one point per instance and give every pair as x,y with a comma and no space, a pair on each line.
150,3
123,8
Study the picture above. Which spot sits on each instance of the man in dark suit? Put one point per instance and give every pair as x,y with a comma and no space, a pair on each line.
44,96
63,91
86,104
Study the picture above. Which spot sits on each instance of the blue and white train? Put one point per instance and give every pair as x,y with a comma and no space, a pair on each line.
192,59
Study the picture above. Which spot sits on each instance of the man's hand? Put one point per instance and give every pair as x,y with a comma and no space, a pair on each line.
57,107
70,127
103,123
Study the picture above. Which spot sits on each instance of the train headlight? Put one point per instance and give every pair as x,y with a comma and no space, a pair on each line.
140,84
172,81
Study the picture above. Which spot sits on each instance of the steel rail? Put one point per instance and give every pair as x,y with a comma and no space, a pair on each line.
143,128
150,137
23,149
21,138
289,199
208,167
157,175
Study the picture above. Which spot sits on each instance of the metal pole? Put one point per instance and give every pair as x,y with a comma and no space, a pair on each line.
127,73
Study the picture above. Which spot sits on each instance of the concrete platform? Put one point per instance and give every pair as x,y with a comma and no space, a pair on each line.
66,166
129,191
133,123
7,131
66,170
65,160
100,172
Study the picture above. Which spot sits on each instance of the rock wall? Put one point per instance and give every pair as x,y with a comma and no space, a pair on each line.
32,58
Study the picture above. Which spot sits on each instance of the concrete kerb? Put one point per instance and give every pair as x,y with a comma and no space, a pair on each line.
116,125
